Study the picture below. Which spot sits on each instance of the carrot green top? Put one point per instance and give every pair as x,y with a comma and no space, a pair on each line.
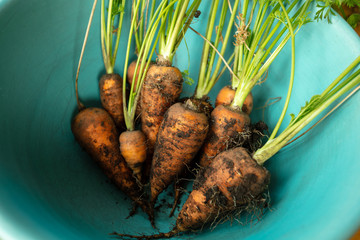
175,24
207,75
316,105
115,11
143,16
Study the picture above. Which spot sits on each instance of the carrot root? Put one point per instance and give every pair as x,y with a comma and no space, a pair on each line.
180,136
225,125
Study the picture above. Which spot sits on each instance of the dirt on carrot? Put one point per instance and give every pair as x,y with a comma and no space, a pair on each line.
111,97
231,183
225,125
161,89
180,137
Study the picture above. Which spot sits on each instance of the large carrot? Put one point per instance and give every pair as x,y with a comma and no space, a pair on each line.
230,183
180,137
252,59
171,156
96,132
163,83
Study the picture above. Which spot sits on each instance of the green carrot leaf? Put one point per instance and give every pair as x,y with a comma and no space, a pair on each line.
186,76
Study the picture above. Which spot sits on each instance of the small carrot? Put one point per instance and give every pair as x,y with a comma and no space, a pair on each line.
226,96
110,83
133,149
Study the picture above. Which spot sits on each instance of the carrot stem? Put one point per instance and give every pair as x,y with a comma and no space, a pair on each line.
173,33
115,8
145,53
313,109
79,104
291,30
254,56
207,76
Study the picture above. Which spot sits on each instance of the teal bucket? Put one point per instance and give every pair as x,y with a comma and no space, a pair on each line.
51,189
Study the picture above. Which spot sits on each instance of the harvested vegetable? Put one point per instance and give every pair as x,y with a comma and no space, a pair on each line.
133,142
111,83
254,53
96,132
185,125
163,83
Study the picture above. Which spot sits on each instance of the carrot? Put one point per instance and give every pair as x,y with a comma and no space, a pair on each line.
133,142
247,72
226,125
178,141
96,132
131,72
232,182
110,86
226,96
162,87
180,137
163,83
133,149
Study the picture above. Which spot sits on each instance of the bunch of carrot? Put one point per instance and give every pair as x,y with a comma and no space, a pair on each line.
177,134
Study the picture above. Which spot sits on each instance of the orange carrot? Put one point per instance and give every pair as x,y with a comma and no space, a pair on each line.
161,89
111,97
180,136
133,149
96,132
226,125
226,96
